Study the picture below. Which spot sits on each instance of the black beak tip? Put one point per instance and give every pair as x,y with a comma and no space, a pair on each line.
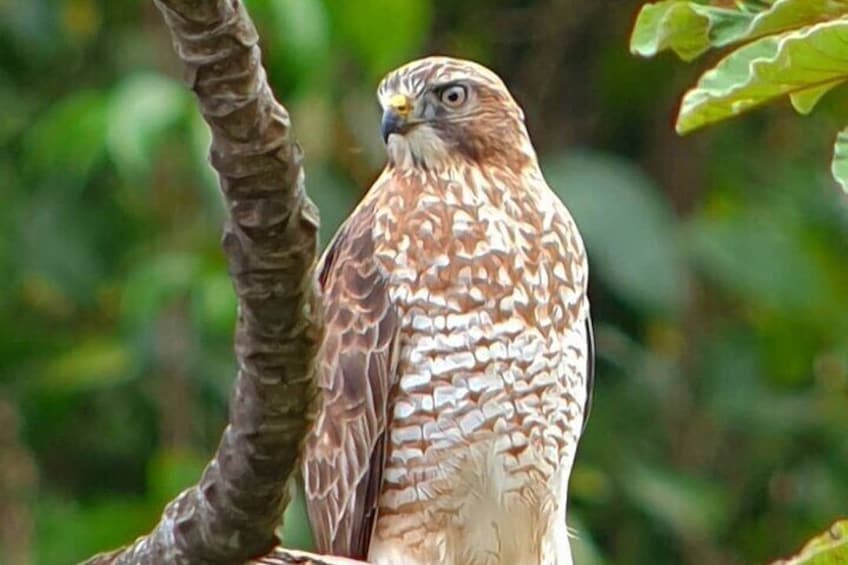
391,123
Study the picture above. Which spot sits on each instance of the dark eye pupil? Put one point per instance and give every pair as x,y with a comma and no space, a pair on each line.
453,96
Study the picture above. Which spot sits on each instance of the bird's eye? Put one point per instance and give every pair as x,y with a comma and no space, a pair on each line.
454,96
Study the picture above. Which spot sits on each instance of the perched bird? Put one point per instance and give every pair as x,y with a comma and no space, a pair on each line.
456,370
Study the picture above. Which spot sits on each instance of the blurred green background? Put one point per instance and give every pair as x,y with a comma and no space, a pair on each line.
719,289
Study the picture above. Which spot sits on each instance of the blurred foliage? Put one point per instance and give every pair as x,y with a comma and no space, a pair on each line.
719,287
792,48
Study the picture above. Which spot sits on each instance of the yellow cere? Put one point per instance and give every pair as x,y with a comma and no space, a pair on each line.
400,104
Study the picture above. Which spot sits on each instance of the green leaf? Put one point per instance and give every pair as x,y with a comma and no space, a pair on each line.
687,28
829,548
839,166
805,100
805,60
142,108
785,15
629,230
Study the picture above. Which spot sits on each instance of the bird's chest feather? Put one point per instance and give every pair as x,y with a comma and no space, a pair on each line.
490,284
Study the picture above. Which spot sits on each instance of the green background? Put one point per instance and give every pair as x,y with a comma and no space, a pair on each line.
719,269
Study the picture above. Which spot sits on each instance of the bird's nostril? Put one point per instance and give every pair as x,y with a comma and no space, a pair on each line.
400,104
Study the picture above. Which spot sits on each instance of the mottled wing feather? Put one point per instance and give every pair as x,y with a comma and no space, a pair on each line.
345,453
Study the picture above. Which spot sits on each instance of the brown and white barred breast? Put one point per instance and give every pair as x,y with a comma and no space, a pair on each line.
490,282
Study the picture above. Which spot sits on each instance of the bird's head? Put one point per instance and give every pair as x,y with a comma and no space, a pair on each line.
439,110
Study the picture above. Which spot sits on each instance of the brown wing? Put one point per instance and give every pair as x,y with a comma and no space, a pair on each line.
345,454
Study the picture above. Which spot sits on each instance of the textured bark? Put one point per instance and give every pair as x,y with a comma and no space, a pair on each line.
270,241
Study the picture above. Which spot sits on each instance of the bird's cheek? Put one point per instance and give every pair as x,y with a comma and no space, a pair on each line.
428,112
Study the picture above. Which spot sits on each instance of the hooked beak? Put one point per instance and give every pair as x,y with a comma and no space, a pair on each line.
396,116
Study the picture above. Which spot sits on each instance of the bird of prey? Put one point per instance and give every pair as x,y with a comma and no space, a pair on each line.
457,365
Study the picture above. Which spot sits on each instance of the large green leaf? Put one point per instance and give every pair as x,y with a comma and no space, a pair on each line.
810,60
687,28
690,28
786,15
829,548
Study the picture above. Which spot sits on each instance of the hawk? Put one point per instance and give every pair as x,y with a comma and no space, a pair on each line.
457,366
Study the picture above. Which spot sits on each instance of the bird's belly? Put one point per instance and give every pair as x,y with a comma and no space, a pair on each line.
481,444
480,508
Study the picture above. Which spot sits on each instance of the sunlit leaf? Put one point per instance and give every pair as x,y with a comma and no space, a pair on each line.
691,28
687,28
839,166
628,228
766,69
785,15
805,100
829,548
141,109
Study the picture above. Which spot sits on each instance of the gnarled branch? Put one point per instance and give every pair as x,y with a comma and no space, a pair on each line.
270,242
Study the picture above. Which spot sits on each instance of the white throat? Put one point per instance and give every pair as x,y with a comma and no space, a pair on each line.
419,147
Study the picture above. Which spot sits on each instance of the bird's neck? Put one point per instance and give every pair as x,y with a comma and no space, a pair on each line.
463,184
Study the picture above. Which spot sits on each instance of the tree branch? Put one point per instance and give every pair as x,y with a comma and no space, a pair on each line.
270,242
